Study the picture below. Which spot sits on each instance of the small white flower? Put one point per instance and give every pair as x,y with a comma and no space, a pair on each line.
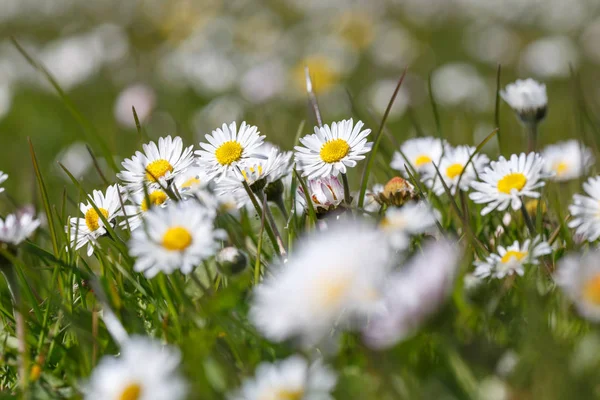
505,182
227,147
144,370
369,204
452,166
528,98
413,293
331,149
512,259
413,218
15,228
135,212
291,379
179,236
585,211
192,180
157,165
579,276
421,153
567,160
325,193
88,229
3,178
332,278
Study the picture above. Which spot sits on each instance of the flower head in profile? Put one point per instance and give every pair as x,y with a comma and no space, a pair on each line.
227,148
567,160
331,149
400,224
145,369
15,228
142,203
290,379
157,165
333,277
325,193
512,259
585,211
177,237
527,98
578,275
414,293
506,182
3,178
88,229
191,181
454,170
421,153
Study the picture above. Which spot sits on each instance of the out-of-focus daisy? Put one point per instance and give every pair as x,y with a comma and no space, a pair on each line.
452,166
370,204
413,218
291,379
3,178
505,182
512,259
145,369
227,147
331,149
176,237
579,277
15,228
413,293
567,160
420,153
585,211
527,98
325,193
135,212
88,229
157,165
323,284
190,181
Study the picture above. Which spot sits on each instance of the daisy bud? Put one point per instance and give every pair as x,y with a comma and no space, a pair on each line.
528,99
396,192
231,261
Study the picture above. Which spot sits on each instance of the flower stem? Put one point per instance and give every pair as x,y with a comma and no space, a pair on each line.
269,215
347,199
527,219
532,136
281,206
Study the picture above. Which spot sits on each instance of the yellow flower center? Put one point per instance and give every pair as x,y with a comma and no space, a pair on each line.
331,291
157,169
591,290
229,152
422,160
156,198
515,180
454,170
532,206
334,150
322,73
92,218
517,255
561,167
288,394
190,182
131,392
177,238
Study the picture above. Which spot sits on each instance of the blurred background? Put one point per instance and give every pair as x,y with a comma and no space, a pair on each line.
189,66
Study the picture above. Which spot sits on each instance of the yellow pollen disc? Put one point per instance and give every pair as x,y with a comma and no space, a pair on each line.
177,238
157,169
285,394
334,150
92,218
561,167
517,255
591,290
156,199
190,182
422,160
332,292
515,180
131,392
229,152
322,73
454,170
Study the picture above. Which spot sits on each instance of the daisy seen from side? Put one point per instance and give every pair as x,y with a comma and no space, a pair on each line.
527,98
585,211
15,228
578,275
567,160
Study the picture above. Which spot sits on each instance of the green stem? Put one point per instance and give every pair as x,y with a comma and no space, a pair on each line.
532,136
269,215
347,199
527,219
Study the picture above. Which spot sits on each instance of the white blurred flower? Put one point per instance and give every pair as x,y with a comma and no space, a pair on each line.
452,165
140,96
420,153
76,159
550,57
579,276
3,178
15,228
460,85
567,160
263,81
585,211
400,224
527,98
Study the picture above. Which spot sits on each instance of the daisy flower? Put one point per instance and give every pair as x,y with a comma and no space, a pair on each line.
291,379
527,98
451,167
323,284
420,153
157,165
567,160
227,147
191,181
579,277
88,229
325,193
3,178
413,293
15,228
144,370
135,212
331,149
413,218
585,211
512,259
505,182
176,237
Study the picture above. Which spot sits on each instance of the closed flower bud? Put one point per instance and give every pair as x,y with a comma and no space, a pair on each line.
231,261
396,192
